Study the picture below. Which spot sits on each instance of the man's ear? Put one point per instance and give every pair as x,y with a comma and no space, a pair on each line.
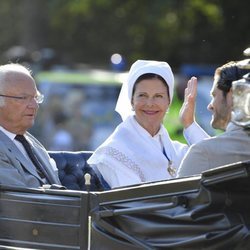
230,97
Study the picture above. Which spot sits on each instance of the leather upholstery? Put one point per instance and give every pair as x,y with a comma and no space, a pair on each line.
72,166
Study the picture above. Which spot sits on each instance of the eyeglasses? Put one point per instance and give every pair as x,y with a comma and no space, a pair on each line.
27,99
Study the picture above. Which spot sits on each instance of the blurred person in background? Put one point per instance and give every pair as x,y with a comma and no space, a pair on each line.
61,139
78,125
229,147
140,149
23,159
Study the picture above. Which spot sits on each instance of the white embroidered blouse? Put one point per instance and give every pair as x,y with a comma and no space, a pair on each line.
131,155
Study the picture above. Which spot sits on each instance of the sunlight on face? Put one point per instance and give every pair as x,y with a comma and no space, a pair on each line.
221,107
150,102
18,115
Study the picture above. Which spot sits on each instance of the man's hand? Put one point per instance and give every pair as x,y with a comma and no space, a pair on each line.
187,111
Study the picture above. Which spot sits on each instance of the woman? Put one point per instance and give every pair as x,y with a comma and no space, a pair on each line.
140,149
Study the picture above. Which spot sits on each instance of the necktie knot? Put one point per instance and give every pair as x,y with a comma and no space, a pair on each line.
20,138
26,145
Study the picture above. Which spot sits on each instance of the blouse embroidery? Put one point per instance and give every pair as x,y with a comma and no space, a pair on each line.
117,155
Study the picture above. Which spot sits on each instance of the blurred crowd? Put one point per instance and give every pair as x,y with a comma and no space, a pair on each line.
75,117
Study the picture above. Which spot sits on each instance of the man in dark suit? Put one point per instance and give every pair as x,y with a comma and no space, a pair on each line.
23,159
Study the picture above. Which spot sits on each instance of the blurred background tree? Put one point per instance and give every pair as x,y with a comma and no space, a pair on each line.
90,31
189,34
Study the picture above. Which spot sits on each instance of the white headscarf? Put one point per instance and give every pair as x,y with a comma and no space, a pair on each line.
141,67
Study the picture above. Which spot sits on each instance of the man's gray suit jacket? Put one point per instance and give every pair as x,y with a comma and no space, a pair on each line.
230,147
17,170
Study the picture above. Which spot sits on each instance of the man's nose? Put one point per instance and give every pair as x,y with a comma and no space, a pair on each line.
33,103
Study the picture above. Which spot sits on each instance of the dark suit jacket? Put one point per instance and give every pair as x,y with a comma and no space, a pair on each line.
17,170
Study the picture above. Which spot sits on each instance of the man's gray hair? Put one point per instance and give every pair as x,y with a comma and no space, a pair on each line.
7,69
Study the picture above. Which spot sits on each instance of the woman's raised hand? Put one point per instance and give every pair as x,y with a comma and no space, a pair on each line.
187,111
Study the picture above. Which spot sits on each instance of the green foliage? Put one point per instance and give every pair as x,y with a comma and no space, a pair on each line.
172,122
90,31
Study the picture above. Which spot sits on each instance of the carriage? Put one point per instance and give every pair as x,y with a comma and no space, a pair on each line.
207,211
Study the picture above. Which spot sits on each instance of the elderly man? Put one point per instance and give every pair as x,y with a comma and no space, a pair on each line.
229,147
23,160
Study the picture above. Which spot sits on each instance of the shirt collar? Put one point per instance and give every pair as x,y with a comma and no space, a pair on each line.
8,133
231,126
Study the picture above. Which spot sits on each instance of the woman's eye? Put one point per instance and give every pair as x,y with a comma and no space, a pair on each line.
159,96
